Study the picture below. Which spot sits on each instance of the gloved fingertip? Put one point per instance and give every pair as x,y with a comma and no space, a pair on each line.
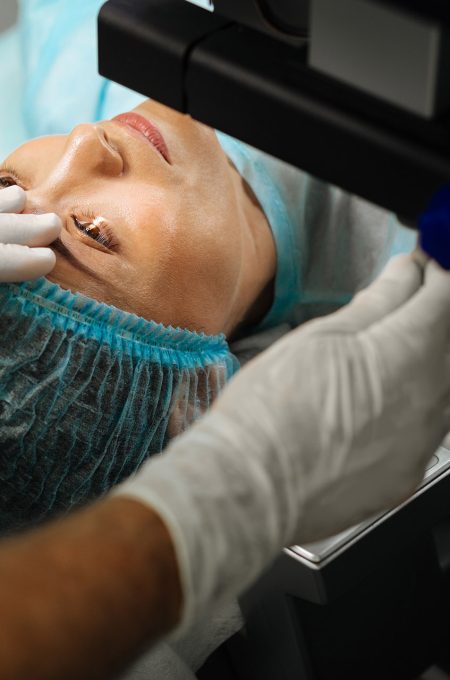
437,277
13,191
402,262
430,307
403,273
55,221
420,258
52,224
12,199
45,259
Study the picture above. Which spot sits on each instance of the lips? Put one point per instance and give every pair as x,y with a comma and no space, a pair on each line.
147,130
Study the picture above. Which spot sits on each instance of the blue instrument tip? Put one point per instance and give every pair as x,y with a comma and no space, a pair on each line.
434,228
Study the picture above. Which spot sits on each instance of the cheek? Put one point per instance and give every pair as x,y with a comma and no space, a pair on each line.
182,278
68,277
204,270
208,248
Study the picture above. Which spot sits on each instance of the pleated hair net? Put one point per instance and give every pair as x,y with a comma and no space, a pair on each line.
87,393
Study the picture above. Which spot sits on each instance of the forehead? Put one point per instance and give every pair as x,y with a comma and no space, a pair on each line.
37,146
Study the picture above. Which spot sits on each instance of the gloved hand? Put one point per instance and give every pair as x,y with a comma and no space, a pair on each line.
336,421
21,236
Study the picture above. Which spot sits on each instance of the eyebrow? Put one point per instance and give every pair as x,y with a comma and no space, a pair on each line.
63,250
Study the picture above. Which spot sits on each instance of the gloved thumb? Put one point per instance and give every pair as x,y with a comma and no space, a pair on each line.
417,333
429,309
398,282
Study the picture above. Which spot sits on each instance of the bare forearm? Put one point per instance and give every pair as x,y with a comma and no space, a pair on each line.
81,597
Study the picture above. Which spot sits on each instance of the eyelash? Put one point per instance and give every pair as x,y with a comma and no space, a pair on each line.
102,236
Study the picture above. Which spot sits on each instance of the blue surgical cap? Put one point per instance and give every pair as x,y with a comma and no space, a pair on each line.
87,393
329,243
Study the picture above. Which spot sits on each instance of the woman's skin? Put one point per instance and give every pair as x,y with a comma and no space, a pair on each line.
190,245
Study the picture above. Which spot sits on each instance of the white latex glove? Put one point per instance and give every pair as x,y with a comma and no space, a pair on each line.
336,421
21,236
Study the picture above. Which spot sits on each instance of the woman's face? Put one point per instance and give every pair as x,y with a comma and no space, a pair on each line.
152,224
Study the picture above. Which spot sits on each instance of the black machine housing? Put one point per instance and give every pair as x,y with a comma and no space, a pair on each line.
373,604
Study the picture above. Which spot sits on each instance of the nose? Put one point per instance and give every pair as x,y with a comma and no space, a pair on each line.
74,162
90,151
